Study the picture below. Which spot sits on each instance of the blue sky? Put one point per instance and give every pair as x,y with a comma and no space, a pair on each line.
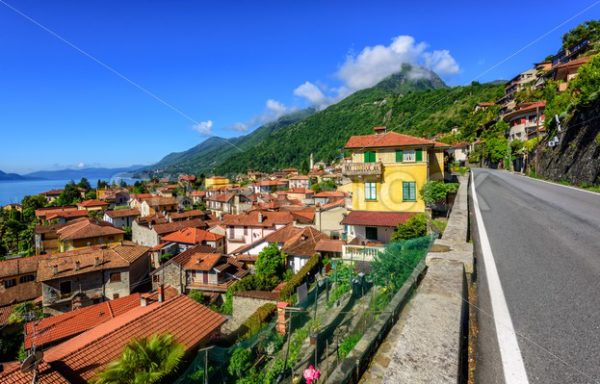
228,66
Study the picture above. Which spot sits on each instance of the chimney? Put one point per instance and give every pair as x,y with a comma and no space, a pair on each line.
97,262
143,301
77,265
260,217
161,293
379,130
55,269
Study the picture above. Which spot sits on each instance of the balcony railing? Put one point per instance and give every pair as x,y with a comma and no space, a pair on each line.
362,169
361,252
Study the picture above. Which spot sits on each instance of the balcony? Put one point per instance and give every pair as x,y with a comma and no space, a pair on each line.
362,169
361,252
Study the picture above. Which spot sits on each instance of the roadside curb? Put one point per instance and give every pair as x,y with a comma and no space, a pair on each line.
554,183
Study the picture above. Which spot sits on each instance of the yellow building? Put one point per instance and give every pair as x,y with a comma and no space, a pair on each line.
86,232
216,182
387,170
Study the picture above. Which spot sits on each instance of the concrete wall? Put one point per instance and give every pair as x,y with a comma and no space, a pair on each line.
143,235
243,307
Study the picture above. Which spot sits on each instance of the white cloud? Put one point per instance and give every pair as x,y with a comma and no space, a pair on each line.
275,108
240,127
441,62
374,63
81,165
204,127
311,92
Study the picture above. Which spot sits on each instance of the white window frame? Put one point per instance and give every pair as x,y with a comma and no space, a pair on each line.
409,156
370,191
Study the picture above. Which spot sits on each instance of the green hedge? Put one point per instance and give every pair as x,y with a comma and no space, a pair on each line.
290,288
257,320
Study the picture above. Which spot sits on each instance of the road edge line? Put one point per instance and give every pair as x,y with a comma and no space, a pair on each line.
557,184
510,353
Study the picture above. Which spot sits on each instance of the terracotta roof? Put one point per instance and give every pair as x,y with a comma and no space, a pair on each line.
187,214
46,375
87,228
525,107
304,215
329,245
574,63
169,292
19,293
191,236
198,193
202,261
19,265
271,183
55,328
158,201
262,295
163,229
294,241
90,259
299,177
52,192
67,214
376,219
93,203
333,204
330,194
251,219
185,256
123,213
222,197
5,313
43,212
388,139
83,356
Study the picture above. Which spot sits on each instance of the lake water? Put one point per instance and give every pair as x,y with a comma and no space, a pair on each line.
14,191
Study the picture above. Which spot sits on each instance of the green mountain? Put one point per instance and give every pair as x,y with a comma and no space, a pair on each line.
204,157
413,101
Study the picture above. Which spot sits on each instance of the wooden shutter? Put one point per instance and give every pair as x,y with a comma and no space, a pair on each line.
399,154
419,155
369,157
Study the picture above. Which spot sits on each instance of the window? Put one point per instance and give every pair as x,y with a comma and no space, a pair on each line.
370,191
371,233
399,154
115,277
26,278
115,296
65,287
10,283
155,278
409,191
245,231
370,157
408,156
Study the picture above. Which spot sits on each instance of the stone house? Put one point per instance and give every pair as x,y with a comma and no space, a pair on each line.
150,234
18,280
91,275
122,218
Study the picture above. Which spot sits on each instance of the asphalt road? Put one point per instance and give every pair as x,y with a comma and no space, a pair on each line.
545,241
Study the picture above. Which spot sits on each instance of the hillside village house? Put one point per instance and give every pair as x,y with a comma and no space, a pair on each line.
78,233
18,280
299,181
566,72
156,204
216,182
115,197
187,215
328,217
507,101
526,121
387,171
122,218
189,237
297,243
59,214
91,275
244,229
458,152
199,268
93,205
270,186
228,202
150,235
81,358
52,194
198,197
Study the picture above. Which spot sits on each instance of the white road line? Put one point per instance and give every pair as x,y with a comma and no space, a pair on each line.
512,361
559,185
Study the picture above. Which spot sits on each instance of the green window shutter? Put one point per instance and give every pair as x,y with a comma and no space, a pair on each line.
369,157
409,191
419,155
399,155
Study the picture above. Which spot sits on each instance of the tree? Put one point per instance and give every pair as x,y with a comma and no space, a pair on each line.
414,227
393,266
435,192
240,362
589,30
69,195
304,167
30,204
101,184
270,264
84,184
91,194
17,315
144,360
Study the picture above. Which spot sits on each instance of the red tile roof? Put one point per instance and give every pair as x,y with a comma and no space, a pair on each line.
330,194
376,219
388,139
123,213
187,214
20,266
202,261
46,375
5,313
83,356
334,204
93,203
55,328
67,214
192,236
90,259
44,212
87,228
329,245
163,229
251,219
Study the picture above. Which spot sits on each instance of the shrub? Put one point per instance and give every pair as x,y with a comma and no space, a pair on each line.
240,363
348,344
257,320
435,192
416,226
290,288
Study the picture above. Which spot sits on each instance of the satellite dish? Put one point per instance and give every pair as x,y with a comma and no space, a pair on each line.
28,363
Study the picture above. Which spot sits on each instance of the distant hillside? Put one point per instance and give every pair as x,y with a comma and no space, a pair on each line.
76,174
11,176
414,101
210,153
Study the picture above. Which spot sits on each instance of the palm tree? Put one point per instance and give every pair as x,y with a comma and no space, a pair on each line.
144,360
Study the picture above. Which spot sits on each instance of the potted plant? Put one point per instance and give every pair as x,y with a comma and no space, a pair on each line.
314,332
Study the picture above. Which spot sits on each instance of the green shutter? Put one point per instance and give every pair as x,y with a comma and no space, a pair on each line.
409,191
399,155
369,157
419,155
